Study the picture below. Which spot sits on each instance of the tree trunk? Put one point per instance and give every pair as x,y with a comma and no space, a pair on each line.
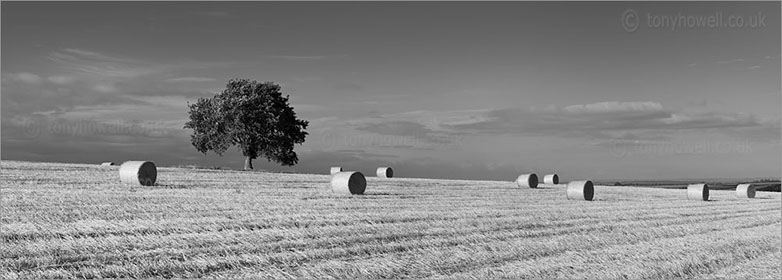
248,163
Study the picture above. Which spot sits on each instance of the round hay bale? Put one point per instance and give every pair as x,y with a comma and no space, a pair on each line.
385,172
335,170
580,190
350,182
745,191
108,163
551,179
527,180
138,172
698,192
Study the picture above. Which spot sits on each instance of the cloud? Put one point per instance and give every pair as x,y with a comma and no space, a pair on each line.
614,107
62,80
190,80
105,88
389,131
91,78
730,61
91,141
102,66
161,111
754,67
364,154
407,129
87,128
769,131
165,92
614,115
300,107
347,87
299,57
407,147
306,57
91,55
97,65
682,120
29,99
603,120
25,77
306,79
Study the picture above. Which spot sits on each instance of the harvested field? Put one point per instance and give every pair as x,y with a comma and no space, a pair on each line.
75,221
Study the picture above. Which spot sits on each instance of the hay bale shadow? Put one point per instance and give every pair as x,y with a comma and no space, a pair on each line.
175,186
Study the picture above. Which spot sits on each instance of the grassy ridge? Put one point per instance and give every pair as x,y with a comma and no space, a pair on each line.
68,220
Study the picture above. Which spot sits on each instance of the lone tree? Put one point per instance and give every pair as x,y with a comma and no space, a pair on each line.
254,116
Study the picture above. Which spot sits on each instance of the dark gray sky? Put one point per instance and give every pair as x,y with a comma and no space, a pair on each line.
438,89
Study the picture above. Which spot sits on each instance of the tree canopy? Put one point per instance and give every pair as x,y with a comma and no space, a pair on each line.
254,116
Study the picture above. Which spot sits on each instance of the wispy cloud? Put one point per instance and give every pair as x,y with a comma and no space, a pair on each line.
25,77
62,80
105,88
603,120
614,107
92,78
97,65
97,56
168,92
364,154
347,87
190,79
407,128
730,61
306,57
598,118
52,125
299,107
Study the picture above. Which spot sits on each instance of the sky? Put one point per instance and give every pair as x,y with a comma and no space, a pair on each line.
461,90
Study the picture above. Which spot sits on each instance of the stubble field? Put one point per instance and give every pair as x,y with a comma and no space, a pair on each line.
78,221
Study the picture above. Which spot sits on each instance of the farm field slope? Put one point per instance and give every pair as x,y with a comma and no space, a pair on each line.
78,221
